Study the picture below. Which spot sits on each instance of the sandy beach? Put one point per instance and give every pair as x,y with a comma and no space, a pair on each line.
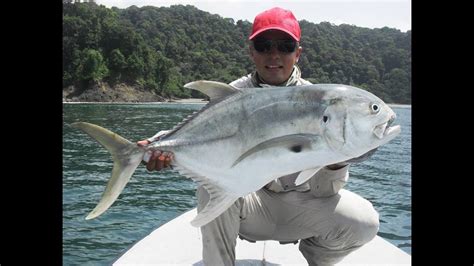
189,100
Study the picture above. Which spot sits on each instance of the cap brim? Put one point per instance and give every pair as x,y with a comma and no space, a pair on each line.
273,28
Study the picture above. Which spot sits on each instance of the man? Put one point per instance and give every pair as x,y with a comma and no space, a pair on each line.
329,222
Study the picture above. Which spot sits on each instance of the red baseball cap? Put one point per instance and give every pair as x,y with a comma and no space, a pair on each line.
276,19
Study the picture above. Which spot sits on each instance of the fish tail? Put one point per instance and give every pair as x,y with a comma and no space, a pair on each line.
126,156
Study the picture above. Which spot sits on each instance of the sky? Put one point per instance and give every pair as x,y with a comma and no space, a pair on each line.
363,13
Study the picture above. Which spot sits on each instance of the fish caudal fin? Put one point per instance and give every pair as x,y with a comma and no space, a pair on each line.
126,155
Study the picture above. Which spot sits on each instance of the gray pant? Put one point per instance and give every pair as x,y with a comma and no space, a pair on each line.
329,227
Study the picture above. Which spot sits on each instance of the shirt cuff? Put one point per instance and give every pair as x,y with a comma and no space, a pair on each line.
158,135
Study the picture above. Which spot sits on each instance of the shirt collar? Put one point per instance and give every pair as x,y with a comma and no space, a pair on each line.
291,81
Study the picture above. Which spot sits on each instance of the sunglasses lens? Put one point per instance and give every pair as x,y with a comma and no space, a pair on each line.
262,45
287,46
284,46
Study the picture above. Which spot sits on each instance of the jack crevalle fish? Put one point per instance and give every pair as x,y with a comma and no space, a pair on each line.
244,138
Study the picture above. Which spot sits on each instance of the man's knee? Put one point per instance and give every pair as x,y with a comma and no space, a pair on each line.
365,229
359,218
355,222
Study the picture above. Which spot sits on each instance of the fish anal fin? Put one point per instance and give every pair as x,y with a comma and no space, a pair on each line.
219,200
218,203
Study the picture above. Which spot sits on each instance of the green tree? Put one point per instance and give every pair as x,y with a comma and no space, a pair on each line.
135,67
163,48
92,66
398,85
117,64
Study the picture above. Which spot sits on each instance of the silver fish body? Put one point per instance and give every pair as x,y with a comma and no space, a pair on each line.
245,138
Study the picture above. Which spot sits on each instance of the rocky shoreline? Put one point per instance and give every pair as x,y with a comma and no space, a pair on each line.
121,93
177,101
103,92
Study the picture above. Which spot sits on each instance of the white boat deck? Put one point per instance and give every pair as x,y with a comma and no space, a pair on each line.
179,243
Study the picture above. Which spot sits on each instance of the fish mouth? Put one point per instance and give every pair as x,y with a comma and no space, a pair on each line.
384,129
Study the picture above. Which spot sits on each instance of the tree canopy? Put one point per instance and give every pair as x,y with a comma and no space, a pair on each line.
162,48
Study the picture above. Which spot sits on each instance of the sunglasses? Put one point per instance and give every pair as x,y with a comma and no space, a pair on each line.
284,46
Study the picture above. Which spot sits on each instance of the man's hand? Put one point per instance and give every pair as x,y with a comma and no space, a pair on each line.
359,159
158,159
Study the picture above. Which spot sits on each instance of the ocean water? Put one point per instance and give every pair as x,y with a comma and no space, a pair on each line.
152,199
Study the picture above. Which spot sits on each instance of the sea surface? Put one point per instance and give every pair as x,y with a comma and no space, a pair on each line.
152,199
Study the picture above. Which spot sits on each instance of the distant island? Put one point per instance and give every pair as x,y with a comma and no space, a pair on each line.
147,54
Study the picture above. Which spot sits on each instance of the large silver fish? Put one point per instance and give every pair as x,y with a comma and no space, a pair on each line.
244,138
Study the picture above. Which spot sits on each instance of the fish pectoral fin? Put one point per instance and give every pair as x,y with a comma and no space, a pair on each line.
215,90
306,175
295,143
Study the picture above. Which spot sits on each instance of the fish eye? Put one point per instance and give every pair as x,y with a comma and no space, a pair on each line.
374,108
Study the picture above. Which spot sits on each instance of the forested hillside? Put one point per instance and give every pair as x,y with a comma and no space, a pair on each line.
161,49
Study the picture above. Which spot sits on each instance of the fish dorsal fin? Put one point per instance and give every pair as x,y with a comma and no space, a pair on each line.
303,176
219,200
215,90
294,143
